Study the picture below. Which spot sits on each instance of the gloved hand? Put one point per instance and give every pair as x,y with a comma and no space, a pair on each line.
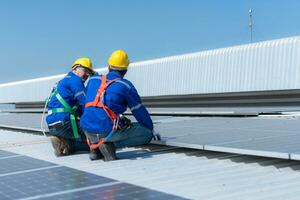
125,122
156,136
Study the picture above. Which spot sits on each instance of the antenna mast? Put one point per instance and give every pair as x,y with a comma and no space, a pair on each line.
251,25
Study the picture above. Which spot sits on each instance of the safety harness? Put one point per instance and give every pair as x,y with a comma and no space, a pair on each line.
99,102
66,109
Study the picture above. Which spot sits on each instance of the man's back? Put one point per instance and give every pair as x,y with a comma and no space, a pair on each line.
119,95
71,89
65,106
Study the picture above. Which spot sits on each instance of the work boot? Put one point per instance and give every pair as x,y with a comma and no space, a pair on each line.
95,154
61,146
108,150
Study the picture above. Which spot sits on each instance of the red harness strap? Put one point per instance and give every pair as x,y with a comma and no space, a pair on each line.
98,102
95,146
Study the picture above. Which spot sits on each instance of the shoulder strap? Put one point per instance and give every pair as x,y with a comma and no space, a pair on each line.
62,101
98,101
67,108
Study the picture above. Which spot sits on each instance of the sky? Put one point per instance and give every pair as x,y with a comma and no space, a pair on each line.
43,37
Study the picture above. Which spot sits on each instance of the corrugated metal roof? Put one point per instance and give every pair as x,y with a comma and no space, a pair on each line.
184,172
268,65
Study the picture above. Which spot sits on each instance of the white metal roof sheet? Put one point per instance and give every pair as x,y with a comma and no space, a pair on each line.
268,65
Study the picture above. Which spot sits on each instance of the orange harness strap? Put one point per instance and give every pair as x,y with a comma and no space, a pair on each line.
95,146
98,102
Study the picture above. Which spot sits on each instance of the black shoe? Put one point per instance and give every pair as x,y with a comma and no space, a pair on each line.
61,146
108,150
95,154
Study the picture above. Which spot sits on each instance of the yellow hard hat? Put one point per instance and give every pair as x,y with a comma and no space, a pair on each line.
119,60
84,62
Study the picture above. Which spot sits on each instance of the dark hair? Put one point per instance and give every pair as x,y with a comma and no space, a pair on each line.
121,72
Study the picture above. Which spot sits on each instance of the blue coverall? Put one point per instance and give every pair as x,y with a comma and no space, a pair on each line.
71,89
118,97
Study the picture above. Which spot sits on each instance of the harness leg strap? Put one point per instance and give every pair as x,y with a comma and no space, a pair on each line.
95,146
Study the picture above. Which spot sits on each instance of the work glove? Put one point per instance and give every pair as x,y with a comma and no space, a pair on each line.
125,122
156,136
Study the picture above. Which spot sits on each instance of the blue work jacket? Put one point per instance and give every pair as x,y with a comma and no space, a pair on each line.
71,89
119,95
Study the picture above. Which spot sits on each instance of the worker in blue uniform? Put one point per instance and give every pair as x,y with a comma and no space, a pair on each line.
108,97
65,106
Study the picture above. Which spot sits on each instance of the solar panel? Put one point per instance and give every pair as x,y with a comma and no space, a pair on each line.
19,121
251,110
212,133
32,122
279,147
6,154
20,163
120,191
24,177
254,136
47,181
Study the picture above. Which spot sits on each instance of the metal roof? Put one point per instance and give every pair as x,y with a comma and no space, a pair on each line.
263,66
189,173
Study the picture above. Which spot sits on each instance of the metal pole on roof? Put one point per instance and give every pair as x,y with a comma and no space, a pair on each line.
251,25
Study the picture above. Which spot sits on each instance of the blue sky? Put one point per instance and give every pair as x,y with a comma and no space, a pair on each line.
43,37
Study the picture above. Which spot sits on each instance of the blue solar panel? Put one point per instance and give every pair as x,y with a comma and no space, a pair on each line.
47,181
255,136
121,191
21,163
279,147
6,154
26,177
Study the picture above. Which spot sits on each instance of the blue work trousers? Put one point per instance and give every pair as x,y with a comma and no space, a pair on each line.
64,130
128,137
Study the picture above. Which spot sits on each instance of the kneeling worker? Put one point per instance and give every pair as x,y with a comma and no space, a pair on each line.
65,106
108,96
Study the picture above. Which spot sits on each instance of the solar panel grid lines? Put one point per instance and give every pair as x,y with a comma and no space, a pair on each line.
21,163
28,170
13,156
114,191
189,173
45,180
6,154
66,193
